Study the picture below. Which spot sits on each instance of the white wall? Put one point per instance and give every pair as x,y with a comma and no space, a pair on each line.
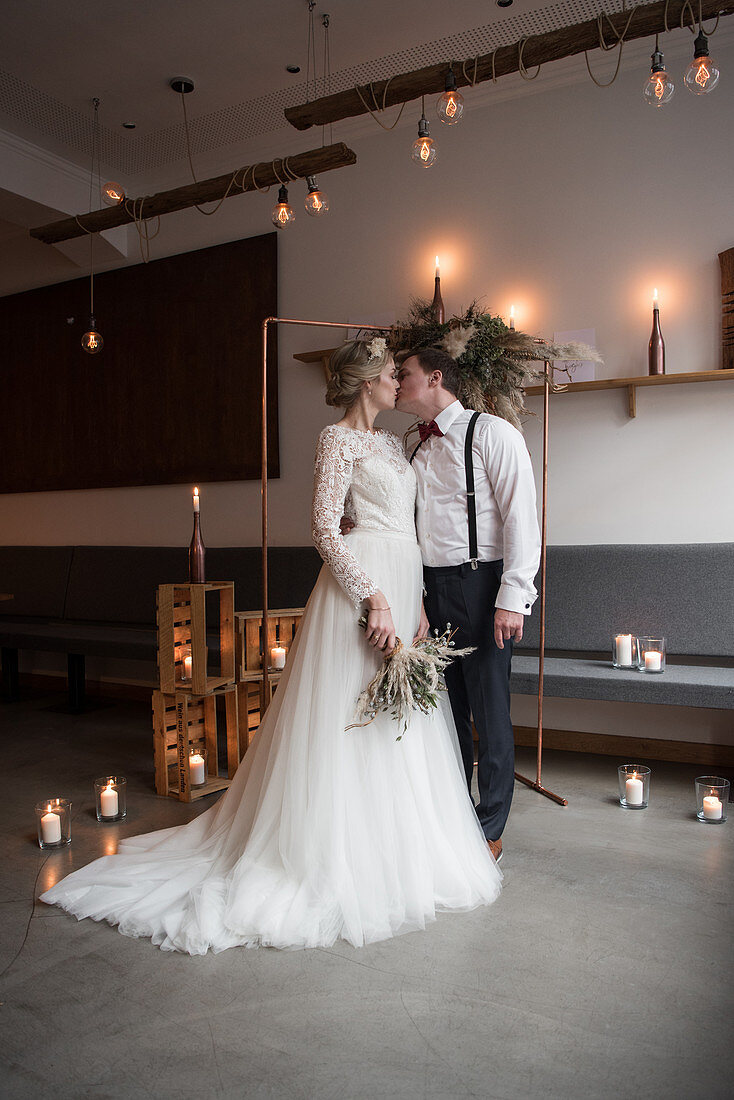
570,201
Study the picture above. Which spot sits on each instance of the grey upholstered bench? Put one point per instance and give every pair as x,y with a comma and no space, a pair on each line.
99,601
684,593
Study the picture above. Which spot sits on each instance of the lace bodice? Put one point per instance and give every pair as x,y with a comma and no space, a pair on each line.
367,477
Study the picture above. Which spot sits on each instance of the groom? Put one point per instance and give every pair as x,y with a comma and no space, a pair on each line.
478,533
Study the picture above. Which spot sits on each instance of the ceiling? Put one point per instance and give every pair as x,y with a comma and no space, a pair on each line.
54,58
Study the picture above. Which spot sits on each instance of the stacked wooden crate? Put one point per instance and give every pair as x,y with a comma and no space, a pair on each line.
249,648
195,713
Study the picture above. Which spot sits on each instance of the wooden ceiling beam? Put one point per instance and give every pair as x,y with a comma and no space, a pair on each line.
266,174
538,50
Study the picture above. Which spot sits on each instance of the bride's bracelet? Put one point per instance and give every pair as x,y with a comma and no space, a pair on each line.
378,609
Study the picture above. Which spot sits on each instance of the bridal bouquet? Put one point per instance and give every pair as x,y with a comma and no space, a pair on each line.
409,678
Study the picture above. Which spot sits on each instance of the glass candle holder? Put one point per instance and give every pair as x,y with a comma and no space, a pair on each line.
110,796
186,663
634,786
651,654
278,655
624,651
712,796
53,817
197,767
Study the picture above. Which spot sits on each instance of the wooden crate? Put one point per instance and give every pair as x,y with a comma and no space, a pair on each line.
183,723
181,614
282,626
249,710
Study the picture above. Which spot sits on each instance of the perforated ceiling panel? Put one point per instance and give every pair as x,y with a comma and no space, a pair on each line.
131,154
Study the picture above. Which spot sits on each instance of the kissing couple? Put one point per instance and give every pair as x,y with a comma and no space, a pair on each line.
329,834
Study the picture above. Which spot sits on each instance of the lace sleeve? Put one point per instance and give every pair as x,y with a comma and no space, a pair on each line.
332,477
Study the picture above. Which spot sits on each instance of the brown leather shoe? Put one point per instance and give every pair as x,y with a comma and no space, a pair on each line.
495,847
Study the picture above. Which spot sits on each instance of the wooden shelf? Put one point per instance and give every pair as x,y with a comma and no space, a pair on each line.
629,384
322,357
632,384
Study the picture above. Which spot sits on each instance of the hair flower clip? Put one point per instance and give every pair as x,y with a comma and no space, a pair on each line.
377,348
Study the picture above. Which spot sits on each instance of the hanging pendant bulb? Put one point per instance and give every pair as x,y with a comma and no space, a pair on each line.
450,106
112,193
317,202
283,215
658,88
425,152
702,75
92,341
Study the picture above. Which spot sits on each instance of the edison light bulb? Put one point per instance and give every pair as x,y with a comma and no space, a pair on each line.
92,341
658,88
424,149
113,194
283,215
450,106
702,75
317,202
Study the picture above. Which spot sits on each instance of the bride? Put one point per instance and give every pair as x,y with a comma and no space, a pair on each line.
324,833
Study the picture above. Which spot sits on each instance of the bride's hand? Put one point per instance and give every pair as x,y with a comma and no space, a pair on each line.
423,625
380,627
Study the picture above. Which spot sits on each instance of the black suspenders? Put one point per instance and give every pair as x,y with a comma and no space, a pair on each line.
471,503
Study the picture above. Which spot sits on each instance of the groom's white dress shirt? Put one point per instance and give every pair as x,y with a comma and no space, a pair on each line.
507,521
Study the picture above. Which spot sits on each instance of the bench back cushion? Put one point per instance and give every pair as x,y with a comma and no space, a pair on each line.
117,584
36,577
682,592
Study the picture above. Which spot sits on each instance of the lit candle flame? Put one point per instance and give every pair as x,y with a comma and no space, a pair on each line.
438,268
655,298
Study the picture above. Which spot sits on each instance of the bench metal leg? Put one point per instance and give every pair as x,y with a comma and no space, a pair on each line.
11,679
76,681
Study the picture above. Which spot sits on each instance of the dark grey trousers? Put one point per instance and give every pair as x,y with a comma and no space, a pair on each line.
478,685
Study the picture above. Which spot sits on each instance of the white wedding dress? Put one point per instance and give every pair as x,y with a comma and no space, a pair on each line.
324,833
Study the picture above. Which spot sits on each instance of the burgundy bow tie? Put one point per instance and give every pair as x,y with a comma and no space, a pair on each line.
426,430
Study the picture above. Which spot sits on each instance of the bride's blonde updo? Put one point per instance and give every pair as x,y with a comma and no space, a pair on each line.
353,364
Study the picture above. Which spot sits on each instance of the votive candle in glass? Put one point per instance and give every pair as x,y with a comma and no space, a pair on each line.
634,786
110,797
712,796
53,817
624,651
651,655
197,767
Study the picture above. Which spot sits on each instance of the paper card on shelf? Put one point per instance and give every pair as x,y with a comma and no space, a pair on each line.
575,370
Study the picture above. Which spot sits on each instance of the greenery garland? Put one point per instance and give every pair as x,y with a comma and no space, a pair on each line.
494,361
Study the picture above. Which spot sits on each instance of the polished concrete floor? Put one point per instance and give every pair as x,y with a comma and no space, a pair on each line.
604,969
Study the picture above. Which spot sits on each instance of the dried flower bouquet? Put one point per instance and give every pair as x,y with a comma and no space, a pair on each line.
408,679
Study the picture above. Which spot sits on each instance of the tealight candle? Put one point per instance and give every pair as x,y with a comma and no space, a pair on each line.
633,791
653,660
109,803
197,772
51,828
277,657
712,808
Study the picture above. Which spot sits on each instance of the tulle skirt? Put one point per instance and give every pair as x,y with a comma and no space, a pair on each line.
324,833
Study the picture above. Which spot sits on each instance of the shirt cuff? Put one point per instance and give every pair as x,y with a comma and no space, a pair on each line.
510,598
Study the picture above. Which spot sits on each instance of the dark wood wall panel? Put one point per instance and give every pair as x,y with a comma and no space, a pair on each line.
173,397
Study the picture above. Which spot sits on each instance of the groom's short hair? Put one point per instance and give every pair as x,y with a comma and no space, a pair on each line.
432,359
